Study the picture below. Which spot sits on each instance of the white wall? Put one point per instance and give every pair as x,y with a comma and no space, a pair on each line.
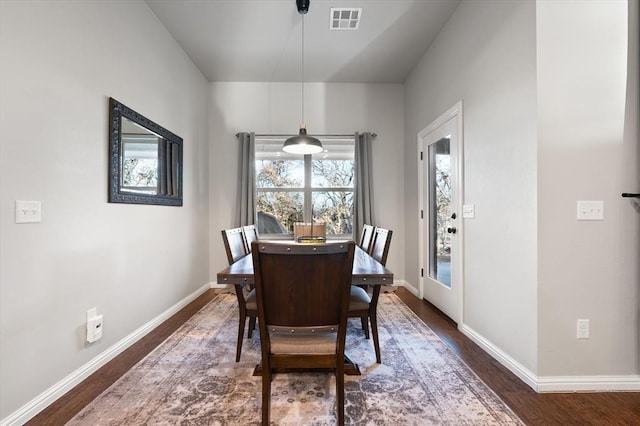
587,269
330,109
485,56
549,118
60,62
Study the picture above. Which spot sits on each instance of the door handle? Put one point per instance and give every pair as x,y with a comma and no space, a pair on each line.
452,230
629,195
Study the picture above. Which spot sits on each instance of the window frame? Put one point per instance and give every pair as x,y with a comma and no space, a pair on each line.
307,190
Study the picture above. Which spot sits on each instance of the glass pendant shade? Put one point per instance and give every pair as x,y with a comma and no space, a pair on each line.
302,144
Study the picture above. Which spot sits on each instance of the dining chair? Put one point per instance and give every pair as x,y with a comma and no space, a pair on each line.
303,299
250,235
381,242
361,303
366,237
234,244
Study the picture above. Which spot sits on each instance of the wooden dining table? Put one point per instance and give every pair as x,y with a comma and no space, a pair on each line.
366,271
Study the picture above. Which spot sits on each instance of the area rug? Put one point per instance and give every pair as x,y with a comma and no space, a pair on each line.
192,379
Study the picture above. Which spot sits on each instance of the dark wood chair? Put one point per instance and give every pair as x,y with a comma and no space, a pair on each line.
361,303
303,299
381,242
235,246
367,237
250,235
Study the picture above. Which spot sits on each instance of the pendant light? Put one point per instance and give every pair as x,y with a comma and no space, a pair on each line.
302,143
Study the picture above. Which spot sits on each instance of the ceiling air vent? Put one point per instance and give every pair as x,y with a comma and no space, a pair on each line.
344,18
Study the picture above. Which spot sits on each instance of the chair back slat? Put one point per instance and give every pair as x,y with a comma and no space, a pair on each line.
303,285
250,235
367,237
234,244
381,243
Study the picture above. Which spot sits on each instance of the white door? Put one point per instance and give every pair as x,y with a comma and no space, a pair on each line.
440,251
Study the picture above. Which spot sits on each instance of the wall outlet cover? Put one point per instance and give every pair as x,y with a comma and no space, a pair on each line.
590,210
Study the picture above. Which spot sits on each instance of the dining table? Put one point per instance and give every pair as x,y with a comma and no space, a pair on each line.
366,271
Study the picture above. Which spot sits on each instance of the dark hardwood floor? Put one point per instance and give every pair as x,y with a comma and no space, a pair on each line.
604,408
610,408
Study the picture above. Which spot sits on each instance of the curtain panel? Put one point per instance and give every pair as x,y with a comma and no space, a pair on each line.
246,214
363,209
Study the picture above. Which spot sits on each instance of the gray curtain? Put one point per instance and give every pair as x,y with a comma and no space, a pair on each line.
363,211
246,214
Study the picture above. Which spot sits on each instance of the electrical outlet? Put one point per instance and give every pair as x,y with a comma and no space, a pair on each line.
583,329
94,325
28,211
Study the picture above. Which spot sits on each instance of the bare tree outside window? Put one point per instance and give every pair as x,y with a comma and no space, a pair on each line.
140,163
335,208
140,172
443,205
285,206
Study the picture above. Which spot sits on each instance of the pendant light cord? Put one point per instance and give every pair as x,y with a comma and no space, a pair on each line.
302,72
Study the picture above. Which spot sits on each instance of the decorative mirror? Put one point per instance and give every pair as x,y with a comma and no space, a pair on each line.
145,160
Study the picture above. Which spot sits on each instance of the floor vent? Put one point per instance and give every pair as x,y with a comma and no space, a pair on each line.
344,18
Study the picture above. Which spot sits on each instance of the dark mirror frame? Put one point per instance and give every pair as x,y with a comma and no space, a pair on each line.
116,111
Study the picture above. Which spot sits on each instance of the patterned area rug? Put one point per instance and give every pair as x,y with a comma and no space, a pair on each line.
192,379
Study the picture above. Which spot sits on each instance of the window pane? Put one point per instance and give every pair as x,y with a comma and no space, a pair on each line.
278,211
280,173
335,208
332,173
334,167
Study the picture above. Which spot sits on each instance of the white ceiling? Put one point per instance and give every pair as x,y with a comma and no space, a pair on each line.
260,40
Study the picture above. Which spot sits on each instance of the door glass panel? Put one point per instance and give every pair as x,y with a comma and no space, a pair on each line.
440,211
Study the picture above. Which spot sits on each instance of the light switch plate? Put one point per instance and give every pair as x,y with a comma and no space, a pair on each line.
469,211
28,211
590,210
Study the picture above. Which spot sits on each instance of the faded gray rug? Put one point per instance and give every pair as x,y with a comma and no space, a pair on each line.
192,379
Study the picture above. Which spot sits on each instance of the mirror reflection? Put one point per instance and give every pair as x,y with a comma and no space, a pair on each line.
139,159
145,160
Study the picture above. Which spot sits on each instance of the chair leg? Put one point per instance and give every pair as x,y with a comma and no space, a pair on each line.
365,326
241,322
266,395
374,331
252,326
340,391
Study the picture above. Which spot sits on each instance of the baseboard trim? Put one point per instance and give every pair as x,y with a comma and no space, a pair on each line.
588,384
549,384
46,398
503,358
409,287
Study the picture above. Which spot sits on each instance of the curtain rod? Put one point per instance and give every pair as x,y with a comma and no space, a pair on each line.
267,135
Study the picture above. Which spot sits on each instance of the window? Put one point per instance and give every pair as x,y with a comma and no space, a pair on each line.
293,188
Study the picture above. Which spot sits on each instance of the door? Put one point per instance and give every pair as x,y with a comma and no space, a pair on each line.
440,215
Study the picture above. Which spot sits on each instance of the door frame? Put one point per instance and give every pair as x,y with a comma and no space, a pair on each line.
458,261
